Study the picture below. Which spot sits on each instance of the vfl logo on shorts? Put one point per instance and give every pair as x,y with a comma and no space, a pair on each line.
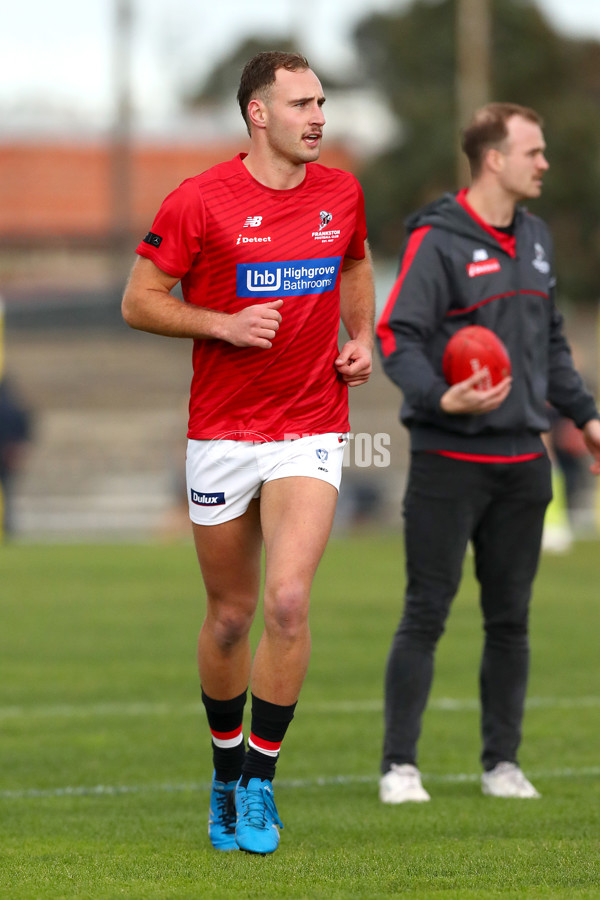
289,278
322,456
200,499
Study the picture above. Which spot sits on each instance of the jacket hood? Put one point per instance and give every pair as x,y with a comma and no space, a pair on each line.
449,214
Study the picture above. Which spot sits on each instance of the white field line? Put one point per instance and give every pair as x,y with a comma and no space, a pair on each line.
107,790
350,707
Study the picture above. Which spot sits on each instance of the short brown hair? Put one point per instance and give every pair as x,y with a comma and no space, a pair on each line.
260,71
488,128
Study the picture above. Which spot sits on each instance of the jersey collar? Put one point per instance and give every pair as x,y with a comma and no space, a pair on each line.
508,242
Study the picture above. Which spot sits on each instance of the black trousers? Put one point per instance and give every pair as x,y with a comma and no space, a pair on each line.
500,507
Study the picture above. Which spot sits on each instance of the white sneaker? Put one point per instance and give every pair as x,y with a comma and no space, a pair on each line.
507,780
402,784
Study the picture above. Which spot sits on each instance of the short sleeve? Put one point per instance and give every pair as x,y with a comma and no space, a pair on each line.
176,236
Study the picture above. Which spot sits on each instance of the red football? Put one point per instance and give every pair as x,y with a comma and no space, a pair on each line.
472,349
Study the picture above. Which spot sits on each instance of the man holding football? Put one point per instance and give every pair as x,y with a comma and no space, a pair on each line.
270,248
478,468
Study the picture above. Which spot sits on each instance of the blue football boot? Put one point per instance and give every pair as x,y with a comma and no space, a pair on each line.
221,816
257,818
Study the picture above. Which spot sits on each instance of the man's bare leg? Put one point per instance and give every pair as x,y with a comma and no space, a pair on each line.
230,556
297,515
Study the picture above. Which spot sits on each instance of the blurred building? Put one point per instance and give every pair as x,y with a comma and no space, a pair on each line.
58,194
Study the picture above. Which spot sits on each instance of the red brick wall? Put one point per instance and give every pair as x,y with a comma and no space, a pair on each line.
63,190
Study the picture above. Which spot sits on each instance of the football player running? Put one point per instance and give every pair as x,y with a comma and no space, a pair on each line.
270,249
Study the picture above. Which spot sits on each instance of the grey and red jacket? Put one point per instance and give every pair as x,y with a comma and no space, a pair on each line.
456,270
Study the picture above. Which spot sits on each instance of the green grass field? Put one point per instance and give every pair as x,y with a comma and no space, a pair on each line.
105,760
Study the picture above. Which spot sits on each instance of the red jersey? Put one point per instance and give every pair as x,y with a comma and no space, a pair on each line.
233,243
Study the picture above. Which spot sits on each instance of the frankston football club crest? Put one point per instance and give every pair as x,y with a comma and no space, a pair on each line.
325,219
326,235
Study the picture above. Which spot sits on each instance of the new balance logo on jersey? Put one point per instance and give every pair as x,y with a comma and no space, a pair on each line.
287,278
252,222
201,499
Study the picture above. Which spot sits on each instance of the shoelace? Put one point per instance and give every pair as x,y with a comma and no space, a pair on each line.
226,810
257,804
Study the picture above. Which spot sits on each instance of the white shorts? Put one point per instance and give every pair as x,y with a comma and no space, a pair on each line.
224,476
